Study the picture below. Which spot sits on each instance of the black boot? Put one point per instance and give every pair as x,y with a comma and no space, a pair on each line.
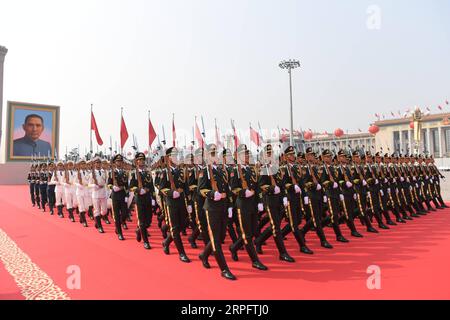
83,220
323,240
91,213
301,241
144,235
60,212
98,224
71,217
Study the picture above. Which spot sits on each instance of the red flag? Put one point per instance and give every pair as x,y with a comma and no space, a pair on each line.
254,136
236,139
123,133
95,128
198,136
151,133
218,142
174,133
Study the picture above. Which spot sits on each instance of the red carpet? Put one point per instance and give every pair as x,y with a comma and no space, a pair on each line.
414,261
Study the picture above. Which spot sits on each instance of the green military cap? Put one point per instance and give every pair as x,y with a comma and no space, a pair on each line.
289,150
341,153
326,152
139,156
355,153
301,155
117,157
309,150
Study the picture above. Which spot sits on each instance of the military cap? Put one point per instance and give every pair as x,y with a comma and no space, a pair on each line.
309,150
301,155
117,157
268,148
81,161
326,152
368,154
341,153
377,154
139,156
355,153
289,150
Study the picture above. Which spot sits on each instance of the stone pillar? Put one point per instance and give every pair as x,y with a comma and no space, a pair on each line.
429,141
440,142
3,52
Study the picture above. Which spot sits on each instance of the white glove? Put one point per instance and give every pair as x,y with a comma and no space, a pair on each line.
176,195
385,180
126,199
431,179
410,188
389,190
382,193
349,184
414,178
276,190
142,192
354,196
341,196
364,183
426,177
230,213
153,203
249,194
335,185
116,189
297,189
217,196
306,200
402,179
319,187
395,180
189,209
325,199
260,207
397,191
285,202
376,181
417,185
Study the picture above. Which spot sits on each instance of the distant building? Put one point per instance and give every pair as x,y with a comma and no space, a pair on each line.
397,135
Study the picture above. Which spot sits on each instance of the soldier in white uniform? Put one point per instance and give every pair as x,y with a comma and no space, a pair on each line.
59,180
70,189
82,190
98,180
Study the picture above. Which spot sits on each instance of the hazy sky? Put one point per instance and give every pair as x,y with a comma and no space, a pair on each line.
220,59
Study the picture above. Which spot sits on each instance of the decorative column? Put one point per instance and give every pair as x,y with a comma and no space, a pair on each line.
429,141
3,52
440,141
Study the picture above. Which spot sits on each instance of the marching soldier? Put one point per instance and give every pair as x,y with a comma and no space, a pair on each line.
293,176
173,187
98,180
142,185
32,181
332,195
81,182
70,189
270,186
43,180
51,187
118,183
314,199
244,185
214,188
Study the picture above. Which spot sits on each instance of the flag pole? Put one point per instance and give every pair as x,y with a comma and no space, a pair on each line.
149,145
121,118
92,106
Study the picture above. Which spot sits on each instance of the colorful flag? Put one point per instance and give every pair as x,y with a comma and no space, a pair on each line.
198,136
254,136
95,128
123,133
151,132
174,133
